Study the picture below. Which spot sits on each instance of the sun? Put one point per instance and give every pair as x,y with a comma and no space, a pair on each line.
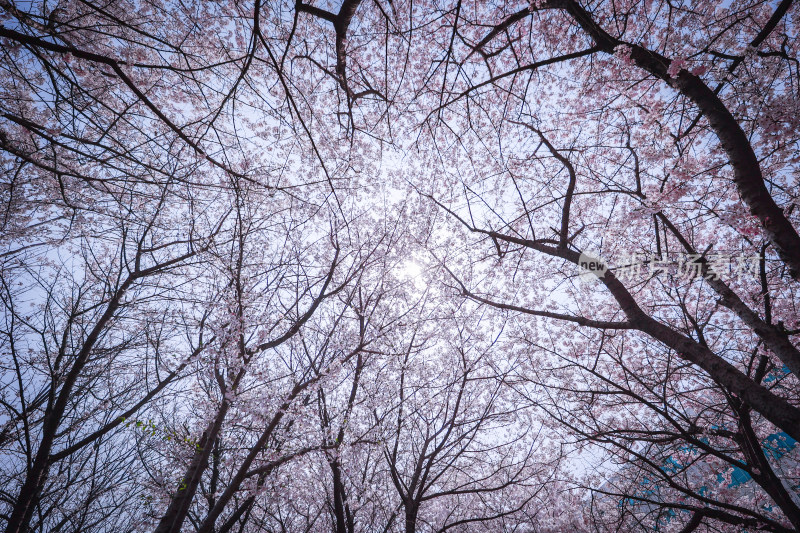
412,271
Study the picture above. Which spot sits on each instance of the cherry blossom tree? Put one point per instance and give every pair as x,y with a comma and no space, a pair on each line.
399,266
649,157
459,453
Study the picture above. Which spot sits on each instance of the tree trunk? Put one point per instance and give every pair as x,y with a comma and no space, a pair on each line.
411,517
173,518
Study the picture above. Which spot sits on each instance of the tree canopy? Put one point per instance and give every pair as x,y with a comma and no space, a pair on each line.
393,266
